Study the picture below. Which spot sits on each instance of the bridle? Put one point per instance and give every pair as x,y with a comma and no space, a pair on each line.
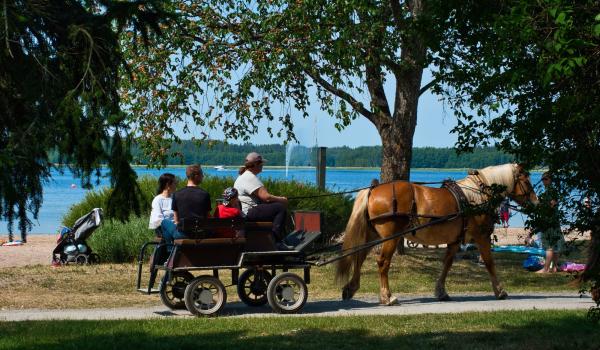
526,190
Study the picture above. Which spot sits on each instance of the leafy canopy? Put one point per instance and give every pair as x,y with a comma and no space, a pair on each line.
227,64
59,74
528,79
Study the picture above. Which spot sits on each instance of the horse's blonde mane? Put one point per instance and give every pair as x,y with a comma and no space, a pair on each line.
499,174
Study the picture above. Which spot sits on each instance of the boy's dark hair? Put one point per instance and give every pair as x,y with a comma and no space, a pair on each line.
164,181
193,170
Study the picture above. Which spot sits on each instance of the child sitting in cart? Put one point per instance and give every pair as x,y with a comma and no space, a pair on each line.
230,208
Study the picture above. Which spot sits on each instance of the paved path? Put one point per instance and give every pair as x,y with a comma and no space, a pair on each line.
408,306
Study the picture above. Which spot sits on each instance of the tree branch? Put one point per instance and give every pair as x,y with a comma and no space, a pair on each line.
428,86
396,12
358,106
6,31
375,86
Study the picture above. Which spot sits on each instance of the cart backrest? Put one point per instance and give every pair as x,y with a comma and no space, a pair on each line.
201,225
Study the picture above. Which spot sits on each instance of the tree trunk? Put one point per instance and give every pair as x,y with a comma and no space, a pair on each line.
397,135
397,154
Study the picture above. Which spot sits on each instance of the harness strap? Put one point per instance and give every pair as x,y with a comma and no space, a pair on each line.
461,201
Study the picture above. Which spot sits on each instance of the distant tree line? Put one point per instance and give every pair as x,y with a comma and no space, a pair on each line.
219,153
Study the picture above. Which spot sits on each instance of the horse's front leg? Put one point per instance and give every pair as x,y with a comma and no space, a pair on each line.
383,261
440,286
485,250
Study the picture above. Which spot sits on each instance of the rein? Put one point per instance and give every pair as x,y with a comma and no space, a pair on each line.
360,189
350,251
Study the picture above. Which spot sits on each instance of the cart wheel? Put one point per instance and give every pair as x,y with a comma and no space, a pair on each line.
412,244
252,287
287,293
172,291
81,259
205,295
94,258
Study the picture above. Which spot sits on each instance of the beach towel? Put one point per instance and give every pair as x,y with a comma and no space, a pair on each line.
520,249
12,244
572,267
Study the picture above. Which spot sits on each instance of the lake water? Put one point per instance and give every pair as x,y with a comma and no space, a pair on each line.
63,191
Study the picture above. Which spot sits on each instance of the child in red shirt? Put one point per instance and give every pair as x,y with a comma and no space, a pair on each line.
229,209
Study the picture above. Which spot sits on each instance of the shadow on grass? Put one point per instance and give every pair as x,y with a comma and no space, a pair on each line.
322,307
566,331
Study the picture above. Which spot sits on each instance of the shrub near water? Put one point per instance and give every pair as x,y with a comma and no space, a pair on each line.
117,241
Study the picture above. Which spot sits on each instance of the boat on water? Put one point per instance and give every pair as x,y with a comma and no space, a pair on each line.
220,168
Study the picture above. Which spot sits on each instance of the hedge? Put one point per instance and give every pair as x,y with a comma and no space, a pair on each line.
118,242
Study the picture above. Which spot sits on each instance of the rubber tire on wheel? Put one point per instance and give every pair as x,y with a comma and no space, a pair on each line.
412,244
94,258
287,293
253,291
81,259
205,296
172,292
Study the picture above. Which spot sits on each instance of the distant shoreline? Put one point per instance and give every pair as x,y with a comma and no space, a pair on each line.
235,167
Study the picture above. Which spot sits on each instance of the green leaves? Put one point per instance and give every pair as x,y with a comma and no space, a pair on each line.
540,61
227,65
59,75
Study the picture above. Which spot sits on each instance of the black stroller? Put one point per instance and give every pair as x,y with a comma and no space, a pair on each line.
72,246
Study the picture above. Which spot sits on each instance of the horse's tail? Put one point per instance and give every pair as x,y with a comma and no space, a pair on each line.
357,232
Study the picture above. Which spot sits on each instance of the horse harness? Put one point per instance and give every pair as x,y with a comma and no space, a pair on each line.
461,201
412,215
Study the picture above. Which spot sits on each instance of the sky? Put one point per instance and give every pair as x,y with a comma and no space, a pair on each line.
434,122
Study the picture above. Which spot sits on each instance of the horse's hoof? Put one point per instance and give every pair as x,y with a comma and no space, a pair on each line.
502,295
392,301
444,297
346,294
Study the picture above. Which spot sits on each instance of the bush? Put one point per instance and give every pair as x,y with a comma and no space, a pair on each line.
117,241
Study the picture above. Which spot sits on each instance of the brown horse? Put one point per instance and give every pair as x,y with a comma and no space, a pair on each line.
397,206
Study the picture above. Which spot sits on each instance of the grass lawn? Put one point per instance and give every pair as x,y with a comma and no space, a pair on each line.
495,330
113,285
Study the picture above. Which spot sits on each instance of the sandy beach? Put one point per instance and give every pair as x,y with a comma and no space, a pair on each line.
37,251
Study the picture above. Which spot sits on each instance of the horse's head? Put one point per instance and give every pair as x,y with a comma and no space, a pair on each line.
523,189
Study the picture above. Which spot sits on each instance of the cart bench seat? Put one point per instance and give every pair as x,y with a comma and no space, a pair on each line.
205,227
210,241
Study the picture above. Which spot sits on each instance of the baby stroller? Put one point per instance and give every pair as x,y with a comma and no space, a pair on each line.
71,245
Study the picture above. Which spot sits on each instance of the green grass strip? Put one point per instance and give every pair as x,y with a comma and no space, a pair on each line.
493,330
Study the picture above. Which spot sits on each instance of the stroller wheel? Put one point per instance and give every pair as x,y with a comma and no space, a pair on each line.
94,258
81,259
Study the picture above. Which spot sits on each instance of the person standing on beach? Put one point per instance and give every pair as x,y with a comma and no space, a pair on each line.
505,212
552,238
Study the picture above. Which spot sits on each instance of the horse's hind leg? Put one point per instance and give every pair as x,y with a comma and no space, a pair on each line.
440,287
351,287
486,254
383,261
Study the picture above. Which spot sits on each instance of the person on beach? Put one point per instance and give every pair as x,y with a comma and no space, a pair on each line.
190,202
257,203
161,204
552,238
505,212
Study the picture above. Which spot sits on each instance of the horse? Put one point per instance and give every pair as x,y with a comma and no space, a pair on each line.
398,206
